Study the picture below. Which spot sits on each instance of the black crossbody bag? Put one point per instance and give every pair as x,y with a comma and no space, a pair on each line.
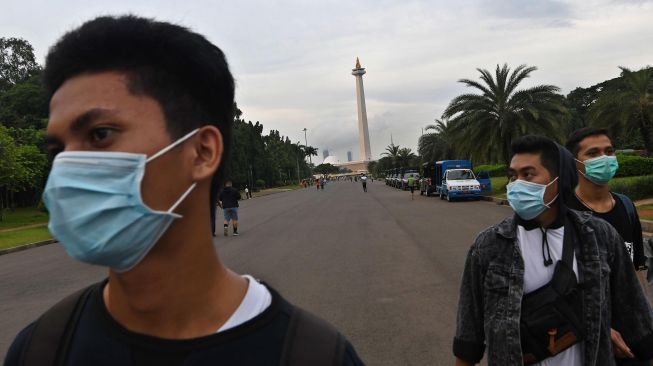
552,316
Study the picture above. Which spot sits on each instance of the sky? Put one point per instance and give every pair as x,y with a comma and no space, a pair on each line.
292,60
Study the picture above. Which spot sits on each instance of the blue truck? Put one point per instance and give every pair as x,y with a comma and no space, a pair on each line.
454,179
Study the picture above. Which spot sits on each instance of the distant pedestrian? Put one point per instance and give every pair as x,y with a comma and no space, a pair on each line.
317,183
364,182
322,183
228,200
248,195
411,185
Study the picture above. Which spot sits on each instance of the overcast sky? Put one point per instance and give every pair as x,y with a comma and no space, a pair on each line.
292,59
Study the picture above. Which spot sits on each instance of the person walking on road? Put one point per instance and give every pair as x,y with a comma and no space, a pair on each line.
546,285
317,183
322,183
228,201
247,193
411,186
133,103
364,182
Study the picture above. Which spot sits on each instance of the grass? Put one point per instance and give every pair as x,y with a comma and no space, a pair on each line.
499,187
26,236
22,217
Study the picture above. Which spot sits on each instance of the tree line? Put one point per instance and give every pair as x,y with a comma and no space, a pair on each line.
481,124
257,159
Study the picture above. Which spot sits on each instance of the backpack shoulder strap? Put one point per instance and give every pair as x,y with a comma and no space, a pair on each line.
311,341
53,331
628,204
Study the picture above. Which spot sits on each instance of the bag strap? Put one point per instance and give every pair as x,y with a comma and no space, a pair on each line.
311,341
569,243
53,332
628,204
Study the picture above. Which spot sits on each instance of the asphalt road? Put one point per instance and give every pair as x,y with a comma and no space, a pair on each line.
383,269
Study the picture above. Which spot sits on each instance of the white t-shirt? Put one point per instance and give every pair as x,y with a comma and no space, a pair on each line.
536,275
256,300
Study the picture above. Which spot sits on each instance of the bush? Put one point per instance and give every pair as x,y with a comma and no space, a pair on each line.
630,166
636,188
260,183
496,170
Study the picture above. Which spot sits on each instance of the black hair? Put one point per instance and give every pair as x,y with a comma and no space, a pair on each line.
574,139
545,147
182,70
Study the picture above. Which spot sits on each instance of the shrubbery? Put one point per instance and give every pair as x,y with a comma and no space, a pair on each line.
630,166
636,188
496,170
260,183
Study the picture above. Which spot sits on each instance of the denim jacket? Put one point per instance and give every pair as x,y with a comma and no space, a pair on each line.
491,292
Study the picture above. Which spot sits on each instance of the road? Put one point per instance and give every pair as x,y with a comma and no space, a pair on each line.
382,268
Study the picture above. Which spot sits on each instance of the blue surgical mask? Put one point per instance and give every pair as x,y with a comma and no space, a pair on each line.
96,209
527,198
601,169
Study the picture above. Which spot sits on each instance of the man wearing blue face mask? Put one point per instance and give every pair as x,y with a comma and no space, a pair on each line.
597,164
545,285
140,123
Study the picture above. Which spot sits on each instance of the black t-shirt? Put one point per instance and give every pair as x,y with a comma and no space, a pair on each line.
618,218
229,197
100,340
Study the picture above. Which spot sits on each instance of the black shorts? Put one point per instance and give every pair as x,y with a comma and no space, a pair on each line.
412,189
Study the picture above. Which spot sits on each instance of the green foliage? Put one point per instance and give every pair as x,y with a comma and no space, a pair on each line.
495,170
630,165
627,107
260,183
25,236
636,188
24,216
326,169
17,62
481,126
24,105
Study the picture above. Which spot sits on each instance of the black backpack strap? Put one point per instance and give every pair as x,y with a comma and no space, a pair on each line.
53,332
628,204
311,341
569,242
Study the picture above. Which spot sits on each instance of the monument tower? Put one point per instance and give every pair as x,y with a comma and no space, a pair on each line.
363,133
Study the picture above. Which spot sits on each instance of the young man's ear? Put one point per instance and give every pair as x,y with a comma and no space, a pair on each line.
209,148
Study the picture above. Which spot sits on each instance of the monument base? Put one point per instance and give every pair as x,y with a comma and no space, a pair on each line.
355,166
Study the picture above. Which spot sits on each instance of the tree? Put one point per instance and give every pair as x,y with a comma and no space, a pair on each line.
406,158
392,152
17,62
629,107
434,146
326,169
24,105
483,125
309,151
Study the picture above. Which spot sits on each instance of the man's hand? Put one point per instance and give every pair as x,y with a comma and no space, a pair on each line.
621,350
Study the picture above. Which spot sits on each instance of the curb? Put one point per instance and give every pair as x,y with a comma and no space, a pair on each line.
26,246
498,201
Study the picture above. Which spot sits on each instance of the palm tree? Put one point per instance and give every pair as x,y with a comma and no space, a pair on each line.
483,125
405,157
309,151
392,152
435,146
628,108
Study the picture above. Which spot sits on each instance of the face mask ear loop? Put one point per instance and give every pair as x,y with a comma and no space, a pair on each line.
172,146
181,199
548,205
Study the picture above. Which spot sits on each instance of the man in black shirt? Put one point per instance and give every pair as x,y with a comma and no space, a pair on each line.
140,126
597,164
229,198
